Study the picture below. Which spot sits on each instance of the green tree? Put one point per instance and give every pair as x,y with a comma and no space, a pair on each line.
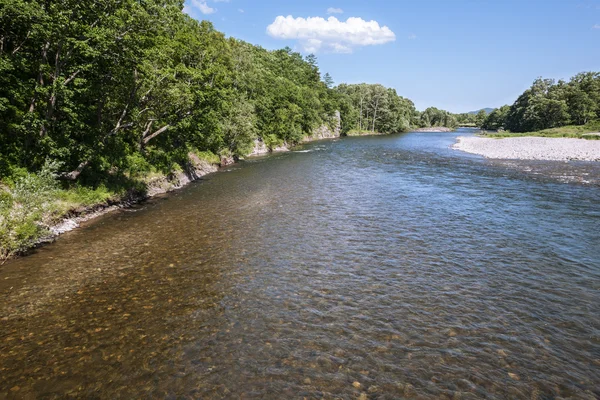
480,118
496,120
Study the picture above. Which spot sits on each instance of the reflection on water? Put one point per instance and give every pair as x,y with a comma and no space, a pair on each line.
384,267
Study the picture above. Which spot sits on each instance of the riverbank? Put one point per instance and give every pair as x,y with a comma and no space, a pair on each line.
356,132
590,131
434,129
35,212
531,148
203,294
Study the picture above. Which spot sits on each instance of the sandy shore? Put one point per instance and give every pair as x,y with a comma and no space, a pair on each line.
531,148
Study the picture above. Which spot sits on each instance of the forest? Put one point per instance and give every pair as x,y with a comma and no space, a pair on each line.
97,98
130,86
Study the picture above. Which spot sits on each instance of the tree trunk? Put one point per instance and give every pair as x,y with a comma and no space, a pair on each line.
155,134
375,114
73,175
362,98
53,95
40,79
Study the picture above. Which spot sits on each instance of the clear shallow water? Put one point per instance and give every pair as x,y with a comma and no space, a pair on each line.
381,267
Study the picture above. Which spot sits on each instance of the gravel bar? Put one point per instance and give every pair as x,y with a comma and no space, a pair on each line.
531,148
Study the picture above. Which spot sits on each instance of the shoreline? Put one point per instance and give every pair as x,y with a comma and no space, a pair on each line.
530,148
73,219
434,129
165,184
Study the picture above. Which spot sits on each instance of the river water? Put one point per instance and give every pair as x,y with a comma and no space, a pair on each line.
373,268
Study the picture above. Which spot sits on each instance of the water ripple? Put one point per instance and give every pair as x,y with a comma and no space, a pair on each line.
387,267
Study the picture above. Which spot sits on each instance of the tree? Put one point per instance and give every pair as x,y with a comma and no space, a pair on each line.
374,108
328,80
480,118
496,120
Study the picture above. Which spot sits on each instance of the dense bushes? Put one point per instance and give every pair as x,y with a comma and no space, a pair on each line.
22,207
97,86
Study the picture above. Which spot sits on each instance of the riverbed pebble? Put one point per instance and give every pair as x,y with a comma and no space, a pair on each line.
531,148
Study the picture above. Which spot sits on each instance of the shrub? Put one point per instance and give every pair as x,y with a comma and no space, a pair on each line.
22,209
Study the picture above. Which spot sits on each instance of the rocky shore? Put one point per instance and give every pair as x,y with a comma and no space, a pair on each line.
196,169
531,148
327,131
434,129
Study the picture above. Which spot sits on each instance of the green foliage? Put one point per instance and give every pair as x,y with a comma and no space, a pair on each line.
22,208
496,120
373,108
130,87
272,141
480,117
208,156
433,117
466,119
588,131
549,104
118,91
83,196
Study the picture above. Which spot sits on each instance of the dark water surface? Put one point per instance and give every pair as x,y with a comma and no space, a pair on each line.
380,268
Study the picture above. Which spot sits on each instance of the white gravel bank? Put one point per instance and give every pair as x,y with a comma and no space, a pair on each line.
531,148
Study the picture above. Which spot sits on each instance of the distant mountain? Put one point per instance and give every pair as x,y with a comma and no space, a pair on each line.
487,110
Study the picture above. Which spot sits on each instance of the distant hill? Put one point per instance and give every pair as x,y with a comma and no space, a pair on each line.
487,110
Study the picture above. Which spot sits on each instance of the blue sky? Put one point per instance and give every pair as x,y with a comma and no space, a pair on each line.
455,55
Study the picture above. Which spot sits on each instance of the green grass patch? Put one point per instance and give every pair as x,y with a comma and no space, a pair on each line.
569,131
31,202
208,156
77,198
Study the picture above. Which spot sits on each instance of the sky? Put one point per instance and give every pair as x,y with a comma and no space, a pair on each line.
457,55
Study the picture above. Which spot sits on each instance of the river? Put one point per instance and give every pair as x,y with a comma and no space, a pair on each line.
371,267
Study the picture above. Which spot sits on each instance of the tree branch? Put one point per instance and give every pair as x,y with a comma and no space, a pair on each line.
21,45
73,175
69,79
155,134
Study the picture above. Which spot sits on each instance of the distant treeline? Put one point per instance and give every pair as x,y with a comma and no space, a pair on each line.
550,104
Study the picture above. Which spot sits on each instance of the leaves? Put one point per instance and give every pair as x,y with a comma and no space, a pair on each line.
549,104
97,85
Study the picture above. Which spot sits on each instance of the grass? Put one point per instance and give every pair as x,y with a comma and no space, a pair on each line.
208,156
569,131
30,203
34,202
80,197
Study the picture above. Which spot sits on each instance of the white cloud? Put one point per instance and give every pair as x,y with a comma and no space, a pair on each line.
332,10
412,36
203,7
597,26
316,33
241,10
